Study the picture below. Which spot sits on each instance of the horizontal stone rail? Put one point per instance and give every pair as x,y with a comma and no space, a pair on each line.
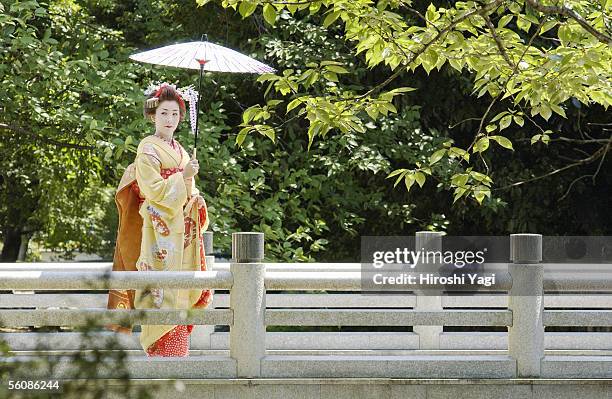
62,317
295,280
221,266
592,318
284,300
304,317
313,300
43,280
560,268
336,281
601,282
347,281
332,276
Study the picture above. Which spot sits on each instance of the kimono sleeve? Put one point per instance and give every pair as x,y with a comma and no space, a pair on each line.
202,211
203,216
168,195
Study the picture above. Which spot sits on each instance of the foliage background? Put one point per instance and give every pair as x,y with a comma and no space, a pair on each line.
70,120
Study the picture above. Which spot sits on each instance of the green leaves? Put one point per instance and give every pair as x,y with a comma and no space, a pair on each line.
480,192
505,122
264,130
518,120
410,176
481,145
432,15
294,103
545,111
564,33
73,119
331,18
325,113
503,21
242,135
246,8
400,173
558,110
257,113
336,69
536,76
436,156
503,141
471,183
456,152
269,13
548,26
420,178
543,137
524,22
429,60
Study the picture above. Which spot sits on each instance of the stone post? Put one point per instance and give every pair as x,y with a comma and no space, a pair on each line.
248,303
526,301
429,336
201,335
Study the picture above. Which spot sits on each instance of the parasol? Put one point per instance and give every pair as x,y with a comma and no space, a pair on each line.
205,56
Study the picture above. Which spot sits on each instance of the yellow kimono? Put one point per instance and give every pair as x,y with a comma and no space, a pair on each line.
171,233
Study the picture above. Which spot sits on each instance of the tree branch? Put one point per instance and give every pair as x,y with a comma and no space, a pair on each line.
593,176
595,156
498,41
291,3
47,140
603,157
580,141
568,12
571,185
486,7
412,10
514,70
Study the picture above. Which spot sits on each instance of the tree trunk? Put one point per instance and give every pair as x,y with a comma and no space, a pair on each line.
23,247
12,244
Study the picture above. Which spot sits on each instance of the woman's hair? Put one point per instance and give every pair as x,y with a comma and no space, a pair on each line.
164,93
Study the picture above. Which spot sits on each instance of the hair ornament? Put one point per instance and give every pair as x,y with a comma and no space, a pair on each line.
155,88
187,93
190,95
152,102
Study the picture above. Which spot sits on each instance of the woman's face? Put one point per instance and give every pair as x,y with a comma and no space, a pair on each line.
167,117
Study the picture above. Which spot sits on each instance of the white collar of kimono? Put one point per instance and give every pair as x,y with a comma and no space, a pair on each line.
166,147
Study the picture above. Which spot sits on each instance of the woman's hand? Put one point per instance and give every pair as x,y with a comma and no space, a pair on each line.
200,201
191,169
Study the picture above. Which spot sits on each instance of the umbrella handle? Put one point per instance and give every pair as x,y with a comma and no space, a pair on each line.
189,186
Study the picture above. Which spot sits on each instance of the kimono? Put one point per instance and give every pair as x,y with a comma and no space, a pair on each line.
160,228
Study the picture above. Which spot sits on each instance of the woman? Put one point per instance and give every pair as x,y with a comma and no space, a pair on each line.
161,220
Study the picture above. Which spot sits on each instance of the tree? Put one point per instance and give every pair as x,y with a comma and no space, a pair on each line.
536,58
272,188
62,118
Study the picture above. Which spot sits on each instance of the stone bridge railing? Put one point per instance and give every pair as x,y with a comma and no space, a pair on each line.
252,303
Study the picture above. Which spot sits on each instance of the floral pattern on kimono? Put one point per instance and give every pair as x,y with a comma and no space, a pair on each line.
171,240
